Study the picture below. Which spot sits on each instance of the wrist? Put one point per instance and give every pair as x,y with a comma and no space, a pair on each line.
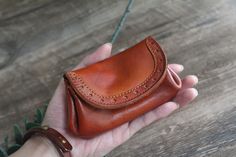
37,146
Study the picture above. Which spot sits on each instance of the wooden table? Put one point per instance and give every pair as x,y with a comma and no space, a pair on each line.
41,39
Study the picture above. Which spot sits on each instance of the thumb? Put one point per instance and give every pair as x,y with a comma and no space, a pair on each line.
101,53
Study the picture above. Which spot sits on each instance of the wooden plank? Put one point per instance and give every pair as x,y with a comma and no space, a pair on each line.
206,127
40,40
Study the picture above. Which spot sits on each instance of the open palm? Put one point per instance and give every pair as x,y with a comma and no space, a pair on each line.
99,146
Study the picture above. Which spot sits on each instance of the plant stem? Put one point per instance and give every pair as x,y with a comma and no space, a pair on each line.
121,22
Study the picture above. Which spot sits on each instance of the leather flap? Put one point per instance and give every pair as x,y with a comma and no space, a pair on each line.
121,79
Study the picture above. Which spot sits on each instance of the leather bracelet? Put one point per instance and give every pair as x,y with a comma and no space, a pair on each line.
60,142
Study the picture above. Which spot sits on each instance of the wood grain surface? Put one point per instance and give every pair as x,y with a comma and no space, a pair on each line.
41,39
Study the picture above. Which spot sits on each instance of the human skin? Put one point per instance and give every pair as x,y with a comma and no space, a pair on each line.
102,144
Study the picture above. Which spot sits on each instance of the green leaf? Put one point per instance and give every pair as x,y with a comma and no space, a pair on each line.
5,142
44,108
13,148
38,116
3,153
30,125
18,134
25,122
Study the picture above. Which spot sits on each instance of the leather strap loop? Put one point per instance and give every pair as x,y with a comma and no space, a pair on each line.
60,142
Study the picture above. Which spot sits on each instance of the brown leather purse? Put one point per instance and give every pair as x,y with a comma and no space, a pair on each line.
117,90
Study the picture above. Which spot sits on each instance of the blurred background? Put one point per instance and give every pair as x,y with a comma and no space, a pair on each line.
41,39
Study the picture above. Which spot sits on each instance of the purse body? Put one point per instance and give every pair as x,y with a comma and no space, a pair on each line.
117,90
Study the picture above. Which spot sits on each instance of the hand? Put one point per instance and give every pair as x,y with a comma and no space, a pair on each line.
101,145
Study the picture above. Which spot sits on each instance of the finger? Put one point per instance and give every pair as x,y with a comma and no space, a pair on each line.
185,96
176,67
189,81
101,53
151,116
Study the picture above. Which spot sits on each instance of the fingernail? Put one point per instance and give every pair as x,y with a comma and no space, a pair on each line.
195,78
177,105
109,44
181,67
195,92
